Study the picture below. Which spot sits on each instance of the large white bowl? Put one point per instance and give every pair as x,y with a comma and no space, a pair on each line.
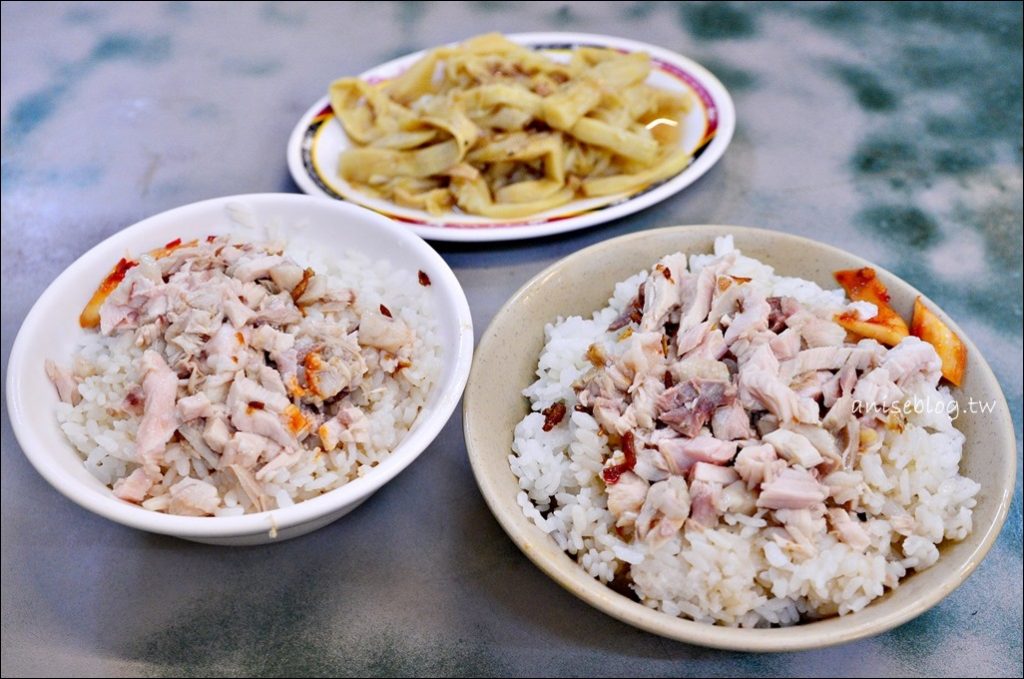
506,363
51,330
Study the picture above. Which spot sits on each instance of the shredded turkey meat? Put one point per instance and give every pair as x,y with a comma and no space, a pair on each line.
251,365
736,401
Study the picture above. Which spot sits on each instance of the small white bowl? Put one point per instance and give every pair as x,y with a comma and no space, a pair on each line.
51,330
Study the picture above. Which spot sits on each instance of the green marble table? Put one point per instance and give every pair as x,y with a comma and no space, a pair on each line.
891,130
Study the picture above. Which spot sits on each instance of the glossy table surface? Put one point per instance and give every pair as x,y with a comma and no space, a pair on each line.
892,131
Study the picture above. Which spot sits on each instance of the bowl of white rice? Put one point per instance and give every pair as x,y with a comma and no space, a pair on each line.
639,451
258,367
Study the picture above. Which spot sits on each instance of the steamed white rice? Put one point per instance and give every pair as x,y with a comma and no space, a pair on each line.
733,574
104,433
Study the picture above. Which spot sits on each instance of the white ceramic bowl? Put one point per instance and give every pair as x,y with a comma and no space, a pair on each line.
506,363
51,330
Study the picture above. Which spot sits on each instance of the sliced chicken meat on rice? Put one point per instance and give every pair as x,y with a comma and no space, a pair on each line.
248,381
763,434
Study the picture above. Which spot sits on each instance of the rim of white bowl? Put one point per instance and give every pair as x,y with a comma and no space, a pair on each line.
98,258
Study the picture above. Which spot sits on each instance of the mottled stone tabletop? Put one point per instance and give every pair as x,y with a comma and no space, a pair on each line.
893,131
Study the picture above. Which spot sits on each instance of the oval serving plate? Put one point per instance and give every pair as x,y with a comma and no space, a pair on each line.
506,361
318,140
